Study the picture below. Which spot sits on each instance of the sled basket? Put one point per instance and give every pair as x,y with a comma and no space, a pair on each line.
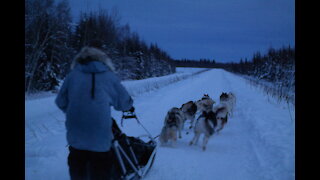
133,156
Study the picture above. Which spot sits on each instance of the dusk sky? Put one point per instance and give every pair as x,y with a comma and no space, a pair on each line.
224,30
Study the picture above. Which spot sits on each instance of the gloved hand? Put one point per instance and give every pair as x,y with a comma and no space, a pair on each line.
132,109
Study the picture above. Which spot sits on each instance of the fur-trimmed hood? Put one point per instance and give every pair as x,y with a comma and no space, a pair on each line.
93,53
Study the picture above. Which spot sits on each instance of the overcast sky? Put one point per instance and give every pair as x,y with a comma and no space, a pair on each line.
224,30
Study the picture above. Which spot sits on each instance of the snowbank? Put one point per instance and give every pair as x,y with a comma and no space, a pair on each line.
137,87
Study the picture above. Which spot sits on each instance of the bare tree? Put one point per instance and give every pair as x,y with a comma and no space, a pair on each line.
47,30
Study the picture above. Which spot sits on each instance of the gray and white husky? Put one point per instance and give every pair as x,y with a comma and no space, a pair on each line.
172,125
221,112
206,124
191,108
205,103
229,100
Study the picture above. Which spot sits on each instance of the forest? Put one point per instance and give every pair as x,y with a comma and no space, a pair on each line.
52,40
274,71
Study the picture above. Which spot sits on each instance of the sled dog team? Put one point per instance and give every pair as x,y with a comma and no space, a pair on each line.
211,120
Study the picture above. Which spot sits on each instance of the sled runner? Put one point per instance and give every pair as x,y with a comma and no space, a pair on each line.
134,157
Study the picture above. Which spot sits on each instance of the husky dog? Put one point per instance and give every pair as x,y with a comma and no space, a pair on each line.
189,110
206,124
221,112
172,125
205,96
229,100
205,104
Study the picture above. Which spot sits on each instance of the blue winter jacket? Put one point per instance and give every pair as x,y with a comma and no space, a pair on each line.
86,100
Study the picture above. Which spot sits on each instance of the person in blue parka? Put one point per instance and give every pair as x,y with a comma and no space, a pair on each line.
86,97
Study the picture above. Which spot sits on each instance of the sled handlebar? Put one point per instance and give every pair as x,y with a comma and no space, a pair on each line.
130,114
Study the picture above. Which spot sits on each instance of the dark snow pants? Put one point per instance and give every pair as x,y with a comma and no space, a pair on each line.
89,165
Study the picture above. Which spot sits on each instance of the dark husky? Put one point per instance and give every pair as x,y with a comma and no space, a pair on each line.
206,124
172,125
189,111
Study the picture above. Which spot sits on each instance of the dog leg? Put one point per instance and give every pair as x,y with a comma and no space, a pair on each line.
180,129
191,123
197,139
205,141
221,127
196,136
174,140
191,142
182,126
163,141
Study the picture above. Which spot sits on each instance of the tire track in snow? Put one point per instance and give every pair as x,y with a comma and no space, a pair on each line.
271,131
242,114
256,165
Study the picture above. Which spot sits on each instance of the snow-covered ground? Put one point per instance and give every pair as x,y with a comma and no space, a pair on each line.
257,143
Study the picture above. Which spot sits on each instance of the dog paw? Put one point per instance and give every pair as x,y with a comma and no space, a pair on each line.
190,143
190,127
179,137
204,148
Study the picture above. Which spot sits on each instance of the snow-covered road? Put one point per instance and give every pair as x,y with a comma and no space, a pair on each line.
257,143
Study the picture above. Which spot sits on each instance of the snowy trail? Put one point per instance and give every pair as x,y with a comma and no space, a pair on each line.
222,154
256,143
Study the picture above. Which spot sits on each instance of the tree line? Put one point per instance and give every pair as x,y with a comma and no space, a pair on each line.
277,67
52,39
201,63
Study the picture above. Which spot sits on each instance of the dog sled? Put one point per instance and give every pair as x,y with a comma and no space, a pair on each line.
133,156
